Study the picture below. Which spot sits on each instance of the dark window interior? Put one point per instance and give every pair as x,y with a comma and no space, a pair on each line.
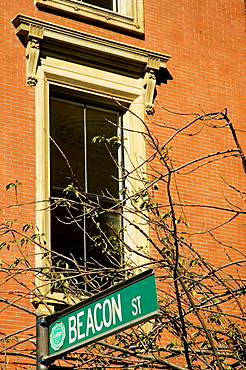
74,235
107,4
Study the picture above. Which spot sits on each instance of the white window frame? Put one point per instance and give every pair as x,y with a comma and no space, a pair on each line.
98,67
88,80
129,16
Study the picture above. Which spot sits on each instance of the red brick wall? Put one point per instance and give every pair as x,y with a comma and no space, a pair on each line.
207,45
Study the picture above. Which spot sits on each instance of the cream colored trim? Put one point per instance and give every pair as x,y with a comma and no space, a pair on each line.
42,178
87,49
35,36
131,17
91,81
150,81
66,37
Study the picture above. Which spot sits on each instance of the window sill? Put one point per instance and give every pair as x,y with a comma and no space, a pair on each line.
133,22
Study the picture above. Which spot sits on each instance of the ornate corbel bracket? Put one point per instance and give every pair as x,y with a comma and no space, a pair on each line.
35,36
150,83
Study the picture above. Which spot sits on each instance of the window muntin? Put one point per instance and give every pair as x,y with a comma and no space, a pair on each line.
73,126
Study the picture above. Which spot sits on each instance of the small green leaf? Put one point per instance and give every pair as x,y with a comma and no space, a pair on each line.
12,185
9,186
193,263
98,139
170,345
26,227
2,244
22,241
165,215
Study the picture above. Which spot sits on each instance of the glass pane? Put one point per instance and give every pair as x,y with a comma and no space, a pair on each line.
67,132
101,237
107,4
102,168
88,241
67,237
103,247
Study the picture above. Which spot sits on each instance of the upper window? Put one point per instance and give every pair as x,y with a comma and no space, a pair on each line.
118,14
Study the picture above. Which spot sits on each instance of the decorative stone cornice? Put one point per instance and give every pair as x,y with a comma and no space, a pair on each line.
93,50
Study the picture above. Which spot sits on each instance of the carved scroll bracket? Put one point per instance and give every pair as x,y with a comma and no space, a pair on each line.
35,36
150,83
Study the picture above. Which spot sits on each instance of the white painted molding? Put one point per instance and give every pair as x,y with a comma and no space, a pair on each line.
129,19
35,35
45,38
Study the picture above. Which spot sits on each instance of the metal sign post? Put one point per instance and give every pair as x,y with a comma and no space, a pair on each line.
117,308
42,342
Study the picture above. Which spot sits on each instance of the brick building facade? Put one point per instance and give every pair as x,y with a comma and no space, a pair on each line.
195,52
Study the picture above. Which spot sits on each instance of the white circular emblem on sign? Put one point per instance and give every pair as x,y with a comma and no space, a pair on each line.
57,336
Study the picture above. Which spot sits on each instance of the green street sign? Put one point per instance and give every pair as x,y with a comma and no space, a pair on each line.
117,308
